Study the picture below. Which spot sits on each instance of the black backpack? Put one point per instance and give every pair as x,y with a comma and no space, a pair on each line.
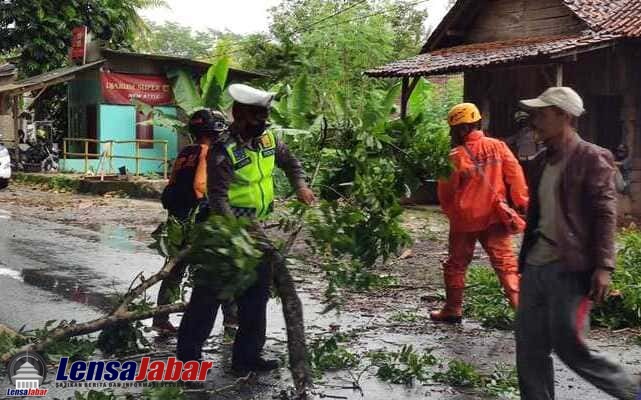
178,197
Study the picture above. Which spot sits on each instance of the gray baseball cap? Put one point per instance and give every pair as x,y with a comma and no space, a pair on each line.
564,98
250,96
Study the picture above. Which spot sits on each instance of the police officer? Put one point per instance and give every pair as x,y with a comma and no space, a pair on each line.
185,193
240,183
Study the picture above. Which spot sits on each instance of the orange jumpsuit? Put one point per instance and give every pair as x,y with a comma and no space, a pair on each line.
467,200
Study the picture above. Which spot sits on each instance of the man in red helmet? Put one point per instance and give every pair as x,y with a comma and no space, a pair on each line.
185,193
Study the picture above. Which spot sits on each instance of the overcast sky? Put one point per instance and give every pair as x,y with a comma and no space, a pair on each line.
241,16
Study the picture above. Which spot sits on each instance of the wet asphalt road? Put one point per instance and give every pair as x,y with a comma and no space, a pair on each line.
55,271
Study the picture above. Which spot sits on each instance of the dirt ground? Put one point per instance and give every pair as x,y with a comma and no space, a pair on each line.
418,290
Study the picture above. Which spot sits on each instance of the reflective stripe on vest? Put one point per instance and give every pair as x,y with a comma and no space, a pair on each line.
252,188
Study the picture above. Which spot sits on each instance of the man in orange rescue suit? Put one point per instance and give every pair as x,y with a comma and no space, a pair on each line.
483,169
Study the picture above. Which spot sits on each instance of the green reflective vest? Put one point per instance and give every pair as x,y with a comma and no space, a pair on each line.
251,192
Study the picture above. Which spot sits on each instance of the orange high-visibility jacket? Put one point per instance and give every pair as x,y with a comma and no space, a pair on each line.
466,197
200,178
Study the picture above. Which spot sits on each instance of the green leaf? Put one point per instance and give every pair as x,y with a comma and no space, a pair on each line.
213,83
185,91
389,102
419,98
141,106
300,103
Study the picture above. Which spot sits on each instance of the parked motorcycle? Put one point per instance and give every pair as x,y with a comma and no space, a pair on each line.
37,151
5,167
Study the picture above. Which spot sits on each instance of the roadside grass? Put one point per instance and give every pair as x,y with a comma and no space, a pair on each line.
622,308
484,300
58,182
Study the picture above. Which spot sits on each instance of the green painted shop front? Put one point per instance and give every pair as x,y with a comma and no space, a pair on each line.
100,114
117,123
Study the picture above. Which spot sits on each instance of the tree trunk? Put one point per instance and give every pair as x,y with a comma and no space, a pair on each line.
293,312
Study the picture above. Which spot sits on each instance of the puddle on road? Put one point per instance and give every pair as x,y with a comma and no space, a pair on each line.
11,273
117,237
69,288
82,265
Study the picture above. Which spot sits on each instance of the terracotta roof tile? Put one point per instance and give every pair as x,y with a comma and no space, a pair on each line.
607,19
626,21
480,55
595,12
612,16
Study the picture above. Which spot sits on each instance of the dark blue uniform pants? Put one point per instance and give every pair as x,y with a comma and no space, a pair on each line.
200,315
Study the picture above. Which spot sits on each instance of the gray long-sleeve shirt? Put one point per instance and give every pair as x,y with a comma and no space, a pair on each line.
220,172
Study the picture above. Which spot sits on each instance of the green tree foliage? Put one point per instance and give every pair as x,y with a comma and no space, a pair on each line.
174,39
38,35
622,309
221,254
332,42
191,95
485,301
39,32
405,366
330,354
352,37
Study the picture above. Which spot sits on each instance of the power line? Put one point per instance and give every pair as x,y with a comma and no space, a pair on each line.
307,28
337,13
313,24
374,14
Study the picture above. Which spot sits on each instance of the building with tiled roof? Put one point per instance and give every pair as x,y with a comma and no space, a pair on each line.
514,49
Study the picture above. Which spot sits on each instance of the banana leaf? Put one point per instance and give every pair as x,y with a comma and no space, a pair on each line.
185,91
213,83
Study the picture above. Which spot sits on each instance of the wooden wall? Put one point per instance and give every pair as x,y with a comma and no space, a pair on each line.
511,19
609,80
497,92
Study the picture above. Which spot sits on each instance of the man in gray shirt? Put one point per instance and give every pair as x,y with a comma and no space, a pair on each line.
568,252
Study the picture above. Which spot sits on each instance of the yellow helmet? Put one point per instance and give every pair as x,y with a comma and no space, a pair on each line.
464,113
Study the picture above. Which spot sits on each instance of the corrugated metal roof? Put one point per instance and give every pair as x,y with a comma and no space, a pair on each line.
235,73
61,74
34,82
480,55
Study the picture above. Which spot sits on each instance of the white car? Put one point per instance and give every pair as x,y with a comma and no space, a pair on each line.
5,167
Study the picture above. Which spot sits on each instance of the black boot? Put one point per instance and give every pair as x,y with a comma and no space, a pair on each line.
260,365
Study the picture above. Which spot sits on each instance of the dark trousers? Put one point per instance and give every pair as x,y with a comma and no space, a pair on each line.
553,315
171,285
200,315
168,288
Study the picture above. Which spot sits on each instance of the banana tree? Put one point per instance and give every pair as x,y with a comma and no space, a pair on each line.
190,96
293,113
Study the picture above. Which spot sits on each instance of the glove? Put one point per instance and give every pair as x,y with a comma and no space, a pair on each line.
202,211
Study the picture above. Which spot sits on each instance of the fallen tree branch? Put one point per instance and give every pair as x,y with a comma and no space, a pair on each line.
94,326
292,310
295,325
164,272
293,307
